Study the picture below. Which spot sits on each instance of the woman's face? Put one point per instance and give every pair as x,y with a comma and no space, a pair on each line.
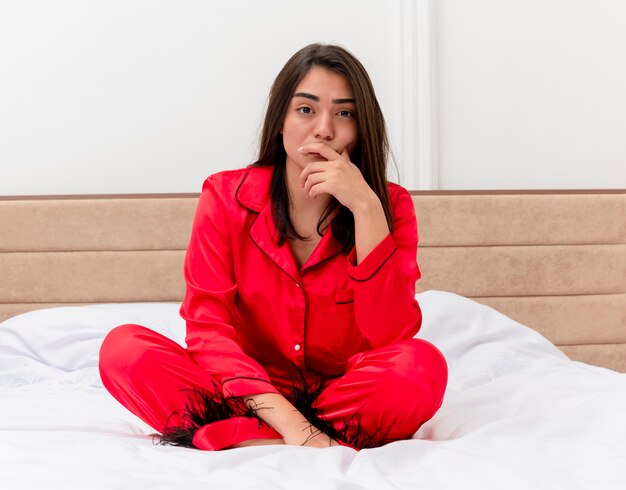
322,110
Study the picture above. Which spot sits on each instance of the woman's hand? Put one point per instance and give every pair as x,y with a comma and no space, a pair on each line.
283,417
341,178
310,437
337,176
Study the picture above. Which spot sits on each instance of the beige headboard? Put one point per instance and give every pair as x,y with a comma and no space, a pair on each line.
555,261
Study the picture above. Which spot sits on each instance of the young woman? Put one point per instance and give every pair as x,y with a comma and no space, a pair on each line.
300,304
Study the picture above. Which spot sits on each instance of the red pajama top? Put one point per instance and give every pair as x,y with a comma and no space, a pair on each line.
254,319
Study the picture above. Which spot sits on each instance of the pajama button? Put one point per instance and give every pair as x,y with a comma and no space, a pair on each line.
296,347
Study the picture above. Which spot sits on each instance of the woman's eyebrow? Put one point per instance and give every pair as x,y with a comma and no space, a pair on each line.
317,99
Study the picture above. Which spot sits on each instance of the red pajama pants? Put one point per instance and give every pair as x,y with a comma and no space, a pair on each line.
391,391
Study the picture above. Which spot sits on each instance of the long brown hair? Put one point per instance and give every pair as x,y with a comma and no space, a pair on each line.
370,154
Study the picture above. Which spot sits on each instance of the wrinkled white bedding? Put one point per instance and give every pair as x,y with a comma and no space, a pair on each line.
517,414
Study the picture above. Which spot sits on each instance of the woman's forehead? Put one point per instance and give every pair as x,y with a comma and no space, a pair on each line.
324,83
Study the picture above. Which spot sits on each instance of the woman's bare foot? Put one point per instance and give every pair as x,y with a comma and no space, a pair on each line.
258,442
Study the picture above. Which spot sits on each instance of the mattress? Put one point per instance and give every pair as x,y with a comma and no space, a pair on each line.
518,414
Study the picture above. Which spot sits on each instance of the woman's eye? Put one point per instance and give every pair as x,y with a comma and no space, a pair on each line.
305,110
346,113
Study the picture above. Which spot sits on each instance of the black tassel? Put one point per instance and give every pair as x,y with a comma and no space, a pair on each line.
303,397
202,408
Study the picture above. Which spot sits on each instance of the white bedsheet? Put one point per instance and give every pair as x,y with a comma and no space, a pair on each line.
517,414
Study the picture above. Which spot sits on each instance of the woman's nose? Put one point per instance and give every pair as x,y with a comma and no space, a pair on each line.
324,127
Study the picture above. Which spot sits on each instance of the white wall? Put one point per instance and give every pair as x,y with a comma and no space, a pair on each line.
151,96
531,94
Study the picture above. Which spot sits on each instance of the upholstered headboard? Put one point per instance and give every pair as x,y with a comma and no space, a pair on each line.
555,261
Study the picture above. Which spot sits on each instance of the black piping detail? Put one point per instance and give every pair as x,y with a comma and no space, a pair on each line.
379,267
237,193
321,262
265,253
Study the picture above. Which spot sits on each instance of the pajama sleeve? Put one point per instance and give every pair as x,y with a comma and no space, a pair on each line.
209,303
385,307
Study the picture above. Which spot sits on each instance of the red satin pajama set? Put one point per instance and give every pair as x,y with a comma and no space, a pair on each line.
256,323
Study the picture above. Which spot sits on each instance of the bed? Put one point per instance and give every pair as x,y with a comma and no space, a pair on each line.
524,292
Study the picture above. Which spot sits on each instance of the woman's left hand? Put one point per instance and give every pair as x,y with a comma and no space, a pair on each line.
337,176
